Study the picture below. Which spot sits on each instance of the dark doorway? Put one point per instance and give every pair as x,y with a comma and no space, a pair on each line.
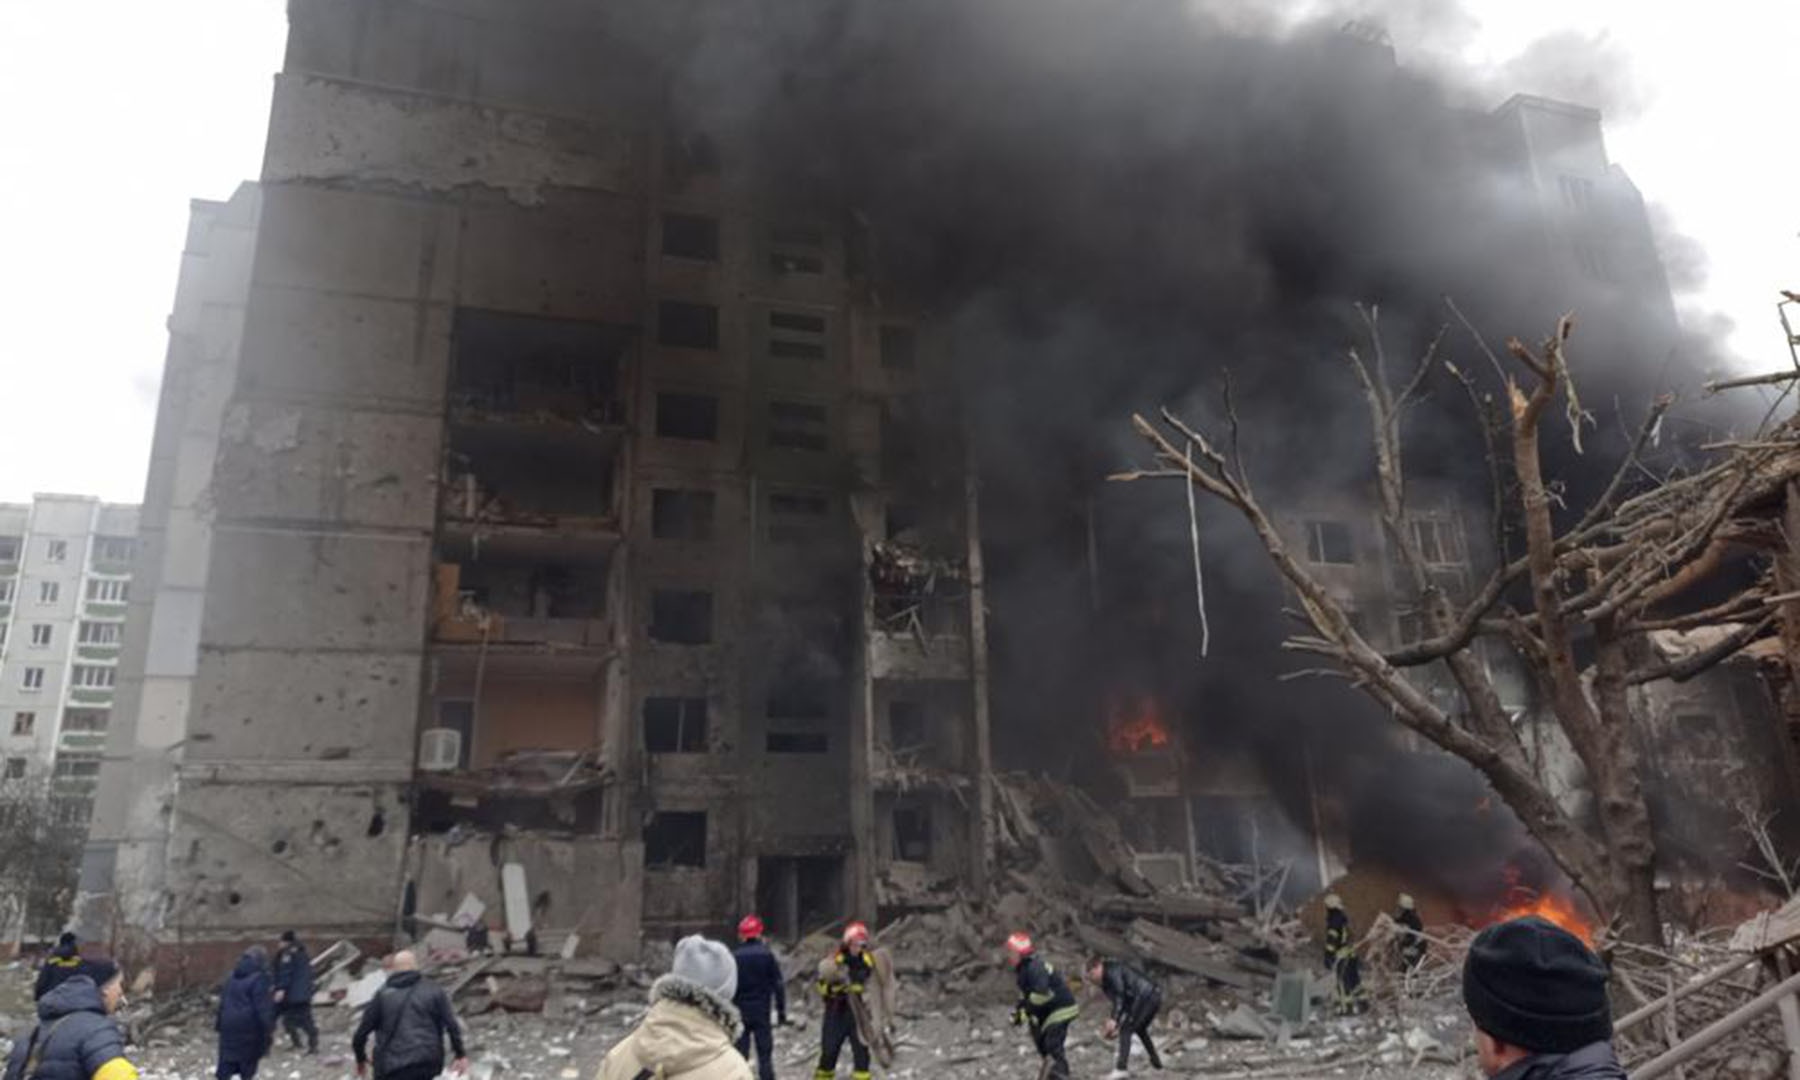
799,894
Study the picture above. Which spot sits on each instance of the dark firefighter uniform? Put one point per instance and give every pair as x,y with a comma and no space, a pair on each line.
1135,1002
1410,948
1047,1005
1340,956
848,974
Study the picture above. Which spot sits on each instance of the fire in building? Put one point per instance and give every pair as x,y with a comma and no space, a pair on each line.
535,486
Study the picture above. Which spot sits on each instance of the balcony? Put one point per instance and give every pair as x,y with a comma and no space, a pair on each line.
528,611
919,614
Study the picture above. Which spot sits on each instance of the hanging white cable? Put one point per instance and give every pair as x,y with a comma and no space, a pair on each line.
1194,535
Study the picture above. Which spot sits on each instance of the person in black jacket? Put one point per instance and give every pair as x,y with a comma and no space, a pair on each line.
759,984
246,1018
1537,996
1044,1002
409,1018
294,991
75,1037
63,962
1135,1002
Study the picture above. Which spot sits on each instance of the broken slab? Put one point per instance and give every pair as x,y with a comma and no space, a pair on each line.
1170,907
518,900
1243,1022
523,994
363,990
1185,952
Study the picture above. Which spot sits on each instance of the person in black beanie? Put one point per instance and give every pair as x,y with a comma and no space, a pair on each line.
1538,998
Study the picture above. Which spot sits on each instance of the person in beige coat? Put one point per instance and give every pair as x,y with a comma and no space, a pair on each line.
691,1030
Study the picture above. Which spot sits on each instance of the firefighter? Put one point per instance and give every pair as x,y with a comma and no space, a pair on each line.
1340,955
1135,1002
1410,948
844,976
1045,1003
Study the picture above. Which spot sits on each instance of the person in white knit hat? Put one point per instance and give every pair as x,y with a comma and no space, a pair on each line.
691,1030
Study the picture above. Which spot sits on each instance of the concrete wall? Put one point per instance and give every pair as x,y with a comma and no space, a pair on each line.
123,880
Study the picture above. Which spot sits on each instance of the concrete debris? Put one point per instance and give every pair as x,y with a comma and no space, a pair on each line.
364,989
1243,1022
523,994
518,900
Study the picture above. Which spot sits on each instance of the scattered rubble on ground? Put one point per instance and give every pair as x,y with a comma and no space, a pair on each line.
1244,992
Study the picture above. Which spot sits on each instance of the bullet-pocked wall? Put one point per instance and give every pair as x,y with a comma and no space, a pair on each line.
392,201
550,437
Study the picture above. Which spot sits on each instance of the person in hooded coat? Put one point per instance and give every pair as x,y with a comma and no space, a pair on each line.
75,1037
63,962
246,1019
691,1030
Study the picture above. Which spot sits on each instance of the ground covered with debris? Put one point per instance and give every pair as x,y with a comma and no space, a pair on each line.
953,1034
1244,986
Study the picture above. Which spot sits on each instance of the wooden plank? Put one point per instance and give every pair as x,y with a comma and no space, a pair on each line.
1713,1033
1768,929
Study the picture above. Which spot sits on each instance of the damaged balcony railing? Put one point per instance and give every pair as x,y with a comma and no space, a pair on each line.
918,594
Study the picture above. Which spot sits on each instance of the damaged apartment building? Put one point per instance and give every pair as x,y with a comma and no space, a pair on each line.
526,492
539,513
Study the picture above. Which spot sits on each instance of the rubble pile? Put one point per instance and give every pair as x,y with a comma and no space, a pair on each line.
1244,992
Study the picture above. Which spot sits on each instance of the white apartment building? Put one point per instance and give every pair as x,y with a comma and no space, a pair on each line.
65,581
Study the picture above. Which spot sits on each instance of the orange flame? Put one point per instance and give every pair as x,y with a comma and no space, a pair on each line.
1134,726
1522,900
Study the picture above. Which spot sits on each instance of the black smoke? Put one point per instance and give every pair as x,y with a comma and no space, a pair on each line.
1104,207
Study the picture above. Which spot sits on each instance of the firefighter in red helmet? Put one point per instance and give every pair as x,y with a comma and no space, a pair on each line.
759,985
1045,1003
844,976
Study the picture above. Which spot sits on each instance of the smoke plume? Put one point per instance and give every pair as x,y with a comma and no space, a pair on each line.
1104,207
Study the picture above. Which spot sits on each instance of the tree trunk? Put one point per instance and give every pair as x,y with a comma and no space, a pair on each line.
1619,797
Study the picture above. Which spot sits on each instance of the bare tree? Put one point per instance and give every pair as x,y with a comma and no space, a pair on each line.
40,848
1602,582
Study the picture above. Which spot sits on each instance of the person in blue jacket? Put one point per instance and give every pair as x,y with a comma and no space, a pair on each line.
759,984
75,1037
246,1020
294,991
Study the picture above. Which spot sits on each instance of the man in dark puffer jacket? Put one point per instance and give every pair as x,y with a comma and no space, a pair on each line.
1538,999
409,1018
75,1038
246,1020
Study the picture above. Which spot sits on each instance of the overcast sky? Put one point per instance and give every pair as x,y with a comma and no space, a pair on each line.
119,111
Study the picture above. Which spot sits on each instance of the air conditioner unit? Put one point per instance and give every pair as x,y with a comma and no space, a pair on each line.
440,749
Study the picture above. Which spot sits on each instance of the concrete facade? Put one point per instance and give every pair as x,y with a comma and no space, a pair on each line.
65,582
521,476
